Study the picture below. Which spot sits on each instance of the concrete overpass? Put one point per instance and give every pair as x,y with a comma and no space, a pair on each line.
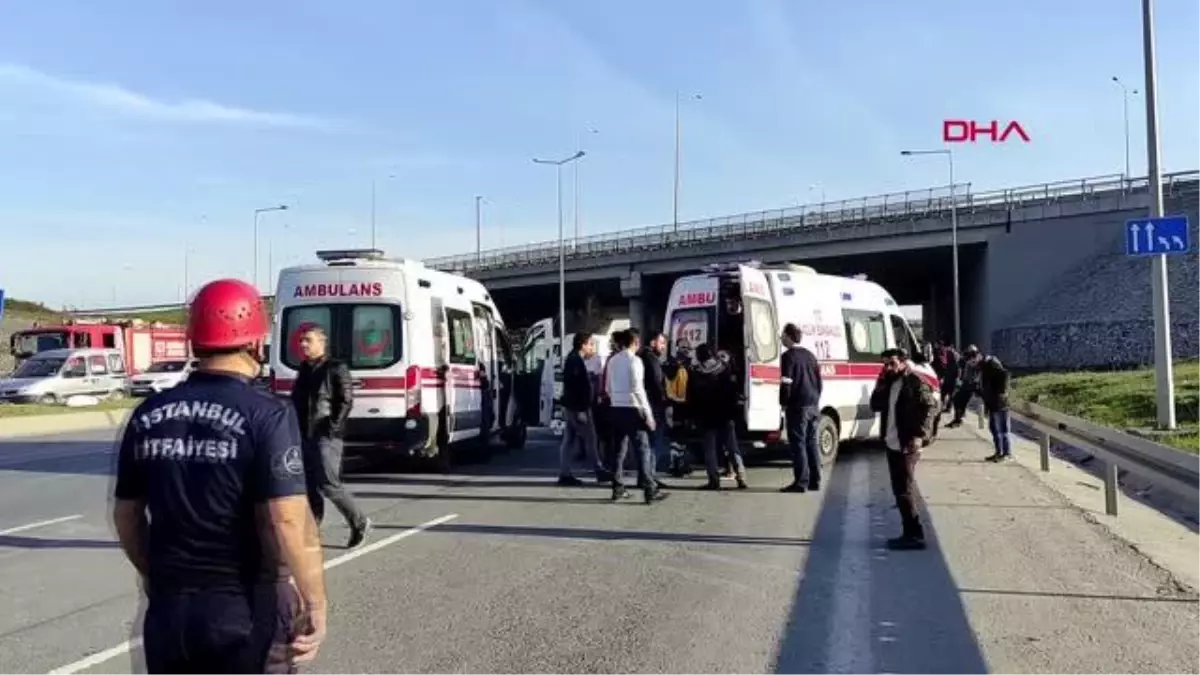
1016,246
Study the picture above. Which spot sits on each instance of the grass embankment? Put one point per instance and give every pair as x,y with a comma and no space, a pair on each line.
25,410
1123,400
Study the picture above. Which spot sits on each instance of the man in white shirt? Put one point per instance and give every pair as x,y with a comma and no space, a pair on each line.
630,416
908,407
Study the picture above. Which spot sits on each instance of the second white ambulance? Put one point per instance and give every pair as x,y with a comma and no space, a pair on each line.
847,323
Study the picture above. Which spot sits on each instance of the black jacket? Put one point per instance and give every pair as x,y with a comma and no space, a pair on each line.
577,393
712,394
993,385
917,407
323,396
799,379
654,380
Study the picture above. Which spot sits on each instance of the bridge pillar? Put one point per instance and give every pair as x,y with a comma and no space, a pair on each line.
631,290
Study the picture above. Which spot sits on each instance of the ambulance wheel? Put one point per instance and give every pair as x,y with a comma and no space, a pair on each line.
827,439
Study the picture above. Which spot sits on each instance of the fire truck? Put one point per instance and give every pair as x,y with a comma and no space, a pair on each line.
141,343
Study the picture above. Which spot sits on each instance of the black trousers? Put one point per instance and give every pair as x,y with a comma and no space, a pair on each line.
902,468
962,397
246,630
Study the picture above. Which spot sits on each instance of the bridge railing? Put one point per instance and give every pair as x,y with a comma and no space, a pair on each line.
910,204
1163,467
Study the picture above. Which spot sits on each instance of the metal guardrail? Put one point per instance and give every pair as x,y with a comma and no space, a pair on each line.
1163,467
911,204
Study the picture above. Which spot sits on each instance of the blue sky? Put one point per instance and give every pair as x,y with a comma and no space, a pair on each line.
133,130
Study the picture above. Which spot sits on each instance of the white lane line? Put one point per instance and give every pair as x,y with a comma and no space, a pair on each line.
129,645
40,523
850,649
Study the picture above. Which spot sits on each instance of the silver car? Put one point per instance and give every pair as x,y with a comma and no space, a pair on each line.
56,375
161,376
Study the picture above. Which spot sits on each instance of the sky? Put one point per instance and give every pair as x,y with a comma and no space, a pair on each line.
137,136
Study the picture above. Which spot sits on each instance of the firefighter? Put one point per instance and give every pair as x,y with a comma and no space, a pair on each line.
212,508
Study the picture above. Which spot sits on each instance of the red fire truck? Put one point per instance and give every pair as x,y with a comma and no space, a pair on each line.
142,344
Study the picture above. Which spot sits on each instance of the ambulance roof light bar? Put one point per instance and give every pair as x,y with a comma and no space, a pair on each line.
350,254
730,266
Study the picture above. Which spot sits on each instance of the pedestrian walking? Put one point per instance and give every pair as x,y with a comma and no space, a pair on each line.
713,400
968,384
323,395
800,386
631,417
948,378
908,407
578,399
993,389
652,356
212,510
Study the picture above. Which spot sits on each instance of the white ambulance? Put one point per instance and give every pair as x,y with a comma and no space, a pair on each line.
430,360
847,323
540,354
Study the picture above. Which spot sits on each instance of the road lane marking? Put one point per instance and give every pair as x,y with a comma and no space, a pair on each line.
850,648
40,523
129,645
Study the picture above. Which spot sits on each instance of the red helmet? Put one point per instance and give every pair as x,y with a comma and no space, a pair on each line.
226,314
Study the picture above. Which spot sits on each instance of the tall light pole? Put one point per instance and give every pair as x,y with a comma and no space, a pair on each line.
562,256
817,186
675,201
1125,92
478,229
953,236
281,207
575,172
1163,370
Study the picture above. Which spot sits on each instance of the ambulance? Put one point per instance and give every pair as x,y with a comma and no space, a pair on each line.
428,353
540,359
846,322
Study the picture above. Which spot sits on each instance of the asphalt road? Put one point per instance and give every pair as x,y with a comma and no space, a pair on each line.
513,574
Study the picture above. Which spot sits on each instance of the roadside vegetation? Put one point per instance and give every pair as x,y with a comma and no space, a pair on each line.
1123,400
8,410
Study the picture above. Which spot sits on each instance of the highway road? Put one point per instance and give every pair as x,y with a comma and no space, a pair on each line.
506,572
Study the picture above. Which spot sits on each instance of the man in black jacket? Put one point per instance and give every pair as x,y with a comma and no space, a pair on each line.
656,392
993,389
713,403
800,399
578,398
323,396
908,407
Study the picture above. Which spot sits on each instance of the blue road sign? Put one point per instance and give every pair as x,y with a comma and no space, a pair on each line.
1157,236
1,303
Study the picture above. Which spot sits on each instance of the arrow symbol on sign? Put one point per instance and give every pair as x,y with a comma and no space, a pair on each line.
1178,241
1134,230
1149,236
1163,243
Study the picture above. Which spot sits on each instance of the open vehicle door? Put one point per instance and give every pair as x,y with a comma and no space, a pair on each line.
762,351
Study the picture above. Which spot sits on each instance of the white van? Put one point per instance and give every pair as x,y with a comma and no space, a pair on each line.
427,350
540,361
847,323
56,375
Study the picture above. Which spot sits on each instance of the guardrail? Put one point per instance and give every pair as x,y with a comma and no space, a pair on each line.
911,204
1172,470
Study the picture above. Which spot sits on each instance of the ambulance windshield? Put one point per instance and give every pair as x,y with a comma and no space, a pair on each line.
363,336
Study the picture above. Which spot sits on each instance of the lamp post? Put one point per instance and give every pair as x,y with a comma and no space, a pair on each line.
281,207
1163,370
478,229
562,259
675,201
817,186
953,236
1125,92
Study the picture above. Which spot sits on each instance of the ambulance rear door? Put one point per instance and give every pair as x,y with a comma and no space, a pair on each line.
761,330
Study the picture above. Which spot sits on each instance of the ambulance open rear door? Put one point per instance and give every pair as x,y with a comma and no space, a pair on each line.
762,342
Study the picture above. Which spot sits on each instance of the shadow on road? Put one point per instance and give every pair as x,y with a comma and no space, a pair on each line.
916,622
89,458
10,541
607,535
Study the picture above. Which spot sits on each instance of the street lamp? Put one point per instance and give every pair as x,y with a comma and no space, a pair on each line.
562,258
675,202
281,207
1163,370
478,229
953,236
1125,92
817,186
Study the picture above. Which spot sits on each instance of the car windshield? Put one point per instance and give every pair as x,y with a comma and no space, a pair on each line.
167,367
38,368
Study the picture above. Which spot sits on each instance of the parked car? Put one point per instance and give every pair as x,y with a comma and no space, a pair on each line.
56,375
161,376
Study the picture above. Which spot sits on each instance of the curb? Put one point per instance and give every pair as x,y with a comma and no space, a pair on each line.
54,423
1149,529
